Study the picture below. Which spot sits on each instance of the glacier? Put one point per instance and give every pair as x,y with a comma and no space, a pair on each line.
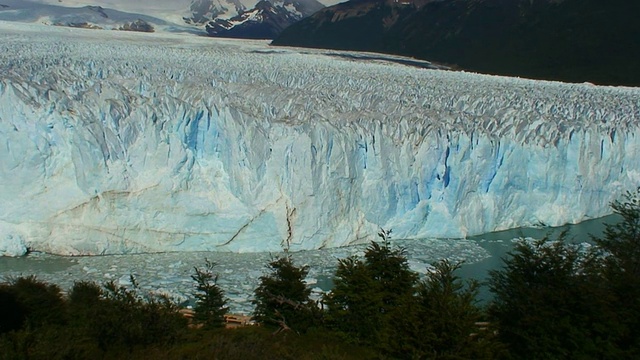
116,143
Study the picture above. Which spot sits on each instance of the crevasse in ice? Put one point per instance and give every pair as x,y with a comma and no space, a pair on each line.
120,143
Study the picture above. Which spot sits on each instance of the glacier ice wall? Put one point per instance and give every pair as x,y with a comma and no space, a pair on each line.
119,143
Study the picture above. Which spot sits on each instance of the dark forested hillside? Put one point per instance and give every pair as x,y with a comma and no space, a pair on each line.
568,40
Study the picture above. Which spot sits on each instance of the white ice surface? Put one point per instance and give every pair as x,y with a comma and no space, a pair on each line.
12,243
116,142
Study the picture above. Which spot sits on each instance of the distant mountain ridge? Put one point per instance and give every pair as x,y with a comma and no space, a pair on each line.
203,11
262,19
89,16
265,21
568,40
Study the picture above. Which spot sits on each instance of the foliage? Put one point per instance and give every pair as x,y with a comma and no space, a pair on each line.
550,303
259,343
113,316
622,240
42,303
127,318
552,300
621,252
442,320
85,294
12,314
210,300
282,298
366,291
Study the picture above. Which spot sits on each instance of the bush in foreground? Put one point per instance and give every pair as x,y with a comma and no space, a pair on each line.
211,304
442,320
366,291
282,298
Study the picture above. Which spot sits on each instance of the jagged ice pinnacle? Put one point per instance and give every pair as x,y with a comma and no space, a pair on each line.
118,142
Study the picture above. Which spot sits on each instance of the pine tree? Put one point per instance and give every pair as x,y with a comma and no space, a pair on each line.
12,313
210,299
441,320
282,298
42,303
550,302
355,302
622,240
621,252
366,291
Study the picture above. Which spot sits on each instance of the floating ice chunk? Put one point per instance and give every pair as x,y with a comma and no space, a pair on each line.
419,267
12,243
124,280
89,270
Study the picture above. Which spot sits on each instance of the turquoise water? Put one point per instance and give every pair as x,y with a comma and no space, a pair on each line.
498,244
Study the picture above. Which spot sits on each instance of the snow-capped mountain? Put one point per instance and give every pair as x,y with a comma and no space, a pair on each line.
86,15
162,15
203,11
265,21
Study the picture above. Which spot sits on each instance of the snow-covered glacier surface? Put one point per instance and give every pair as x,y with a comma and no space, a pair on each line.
122,142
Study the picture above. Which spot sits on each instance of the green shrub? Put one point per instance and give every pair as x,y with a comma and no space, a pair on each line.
550,302
282,298
12,313
366,291
42,303
441,320
114,317
621,269
210,300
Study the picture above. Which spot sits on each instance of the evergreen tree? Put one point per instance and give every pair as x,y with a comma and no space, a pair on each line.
355,302
550,303
85,294
622,240
12,314
366,291
621,253
282,298
42,303
442,320
210,300
123,317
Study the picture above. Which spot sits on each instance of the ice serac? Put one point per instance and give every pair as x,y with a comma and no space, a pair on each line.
134,143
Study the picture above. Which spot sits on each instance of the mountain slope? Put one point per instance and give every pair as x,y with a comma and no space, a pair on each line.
203,11
224,18
570,40
265,21
89,16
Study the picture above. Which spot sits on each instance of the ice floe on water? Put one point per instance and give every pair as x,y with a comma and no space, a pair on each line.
170,273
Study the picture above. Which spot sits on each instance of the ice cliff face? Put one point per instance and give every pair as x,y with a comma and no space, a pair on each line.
117,143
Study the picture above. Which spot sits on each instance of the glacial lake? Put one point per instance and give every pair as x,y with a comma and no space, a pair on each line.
170,273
